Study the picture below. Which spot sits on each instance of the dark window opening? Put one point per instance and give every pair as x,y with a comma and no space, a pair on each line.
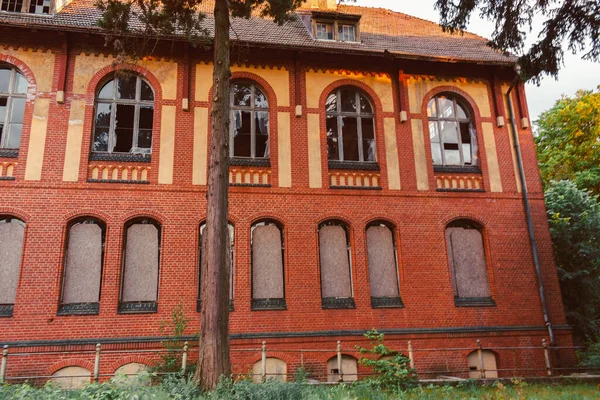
13,97
249,132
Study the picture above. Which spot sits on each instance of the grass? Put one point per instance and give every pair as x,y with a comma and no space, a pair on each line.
179,388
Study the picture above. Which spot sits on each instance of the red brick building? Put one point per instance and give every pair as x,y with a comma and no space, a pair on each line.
374,184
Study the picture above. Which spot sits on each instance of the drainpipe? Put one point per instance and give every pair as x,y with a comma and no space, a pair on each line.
534,250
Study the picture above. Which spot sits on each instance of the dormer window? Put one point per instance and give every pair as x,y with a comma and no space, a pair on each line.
335,26
26,6
324,31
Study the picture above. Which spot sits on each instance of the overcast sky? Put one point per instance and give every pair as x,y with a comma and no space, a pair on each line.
575,74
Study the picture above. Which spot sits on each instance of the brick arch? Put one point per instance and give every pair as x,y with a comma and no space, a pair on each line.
468,100
71,362
287,359
465,215
87,212
271,216
22,67
109,69
147,361
16,213
337,217
143,213
375,100
387,220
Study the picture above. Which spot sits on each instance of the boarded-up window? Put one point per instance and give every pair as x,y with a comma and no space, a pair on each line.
336,273
202,253
346,371
489,368
468,265
383,266
83,267
275,369
268,290
12,232
140,266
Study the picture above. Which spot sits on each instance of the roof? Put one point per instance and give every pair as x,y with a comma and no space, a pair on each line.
381,31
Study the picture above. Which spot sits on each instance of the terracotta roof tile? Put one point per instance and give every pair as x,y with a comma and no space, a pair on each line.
381,30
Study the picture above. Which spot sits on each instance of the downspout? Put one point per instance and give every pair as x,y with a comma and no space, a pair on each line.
534,250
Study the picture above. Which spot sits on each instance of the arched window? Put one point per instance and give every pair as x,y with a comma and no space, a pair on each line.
275,369
468,264
350,126
335,258
141,260
268,282
451,131
383,265
231,266
12,232
13,95
72,377
124,116
346,372
249,135
82,272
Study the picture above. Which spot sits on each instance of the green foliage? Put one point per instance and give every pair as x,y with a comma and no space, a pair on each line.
392,369
179,388
170,361
574,218
568,144
574,22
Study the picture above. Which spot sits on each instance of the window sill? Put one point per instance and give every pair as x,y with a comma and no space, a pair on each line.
117,181
338,303
122,157
268,304
386,302
6,310
138,307
199,305
264,185
460,190
250,162
79,309
456,169
355,165
7,178
474,302
9,153
357,187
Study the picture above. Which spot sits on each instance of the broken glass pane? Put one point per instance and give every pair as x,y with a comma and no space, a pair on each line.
434,134
332,138
262,134
242,134
449,131
436,153
348,100
350,138
260,100
146,117
368,137
103,114
365,106
124,128
100,139
3,106
331,103
147,93
431,108
446,108
242,94
126,87
461,112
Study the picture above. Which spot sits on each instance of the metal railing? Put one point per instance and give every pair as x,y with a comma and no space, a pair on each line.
543,352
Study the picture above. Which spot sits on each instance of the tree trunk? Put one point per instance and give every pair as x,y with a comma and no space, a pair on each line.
213,359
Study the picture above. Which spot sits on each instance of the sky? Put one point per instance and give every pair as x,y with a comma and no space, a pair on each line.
574,75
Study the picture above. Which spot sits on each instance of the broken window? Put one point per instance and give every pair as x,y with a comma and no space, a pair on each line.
30,6
13,95
350,125
141,257
82,272
12,232
451,132
468,265
201,246
383,265
268,288
249,132
124,116
336,265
